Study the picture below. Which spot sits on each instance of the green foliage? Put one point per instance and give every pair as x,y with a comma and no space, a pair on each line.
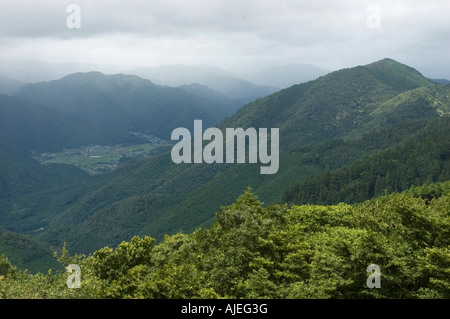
345,103
26,126
26,253
399,76
345,137
111,264
124,103
423,158
5,267
308,251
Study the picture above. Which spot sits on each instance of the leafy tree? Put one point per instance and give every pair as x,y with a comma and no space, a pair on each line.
252,251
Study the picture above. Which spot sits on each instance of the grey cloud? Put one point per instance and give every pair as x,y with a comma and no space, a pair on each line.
331,33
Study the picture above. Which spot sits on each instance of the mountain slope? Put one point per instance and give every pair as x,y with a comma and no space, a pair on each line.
286,75
397,75
27,254
424,158
126,103
240,90
326,124
229,105
338,104
27,126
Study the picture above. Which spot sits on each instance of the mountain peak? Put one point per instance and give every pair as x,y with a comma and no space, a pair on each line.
386,61
90,73
400,76
96,75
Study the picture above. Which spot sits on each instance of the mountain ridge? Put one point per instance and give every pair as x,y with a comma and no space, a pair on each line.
301,108
125,102
324,124
324,98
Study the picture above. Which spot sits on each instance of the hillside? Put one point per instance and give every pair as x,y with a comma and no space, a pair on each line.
276,252
423,158
125,103
27,254
238,89
29,126
229,105
340,104
286,75
155,196
373,112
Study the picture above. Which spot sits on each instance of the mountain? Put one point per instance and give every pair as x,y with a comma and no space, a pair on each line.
177,75
324,123
339,104
125,103
8,85
27,126
286,75
397,75
229,105
424,158
225,82
334,122
440,81
26,253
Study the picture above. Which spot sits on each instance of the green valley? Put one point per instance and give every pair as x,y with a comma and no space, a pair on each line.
275,252
96,159
372,141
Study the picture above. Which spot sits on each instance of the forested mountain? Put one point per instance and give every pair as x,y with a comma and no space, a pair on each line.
286,75
441,81
126,103
343,103
27,126
421,159
365,129
209,94
26,253
238,89
252,252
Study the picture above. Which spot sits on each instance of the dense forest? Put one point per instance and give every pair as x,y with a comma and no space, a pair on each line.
422,158
364,179
361,120
279,251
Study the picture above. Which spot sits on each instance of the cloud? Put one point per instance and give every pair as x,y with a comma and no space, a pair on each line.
332,34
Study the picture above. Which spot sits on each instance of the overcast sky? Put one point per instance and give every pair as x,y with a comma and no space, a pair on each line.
233,34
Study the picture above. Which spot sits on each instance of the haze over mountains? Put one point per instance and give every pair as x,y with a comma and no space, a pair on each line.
127,103
239,82
8,85
330,123
244,86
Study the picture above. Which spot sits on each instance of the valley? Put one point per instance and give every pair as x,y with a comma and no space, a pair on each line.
97,159
85,163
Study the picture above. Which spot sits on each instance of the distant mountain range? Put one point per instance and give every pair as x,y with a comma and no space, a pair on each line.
242,87
332,131
8,85
128,103
245,87
441,81
218,79
286,75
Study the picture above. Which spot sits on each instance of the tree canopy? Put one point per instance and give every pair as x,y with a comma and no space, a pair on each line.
252,251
